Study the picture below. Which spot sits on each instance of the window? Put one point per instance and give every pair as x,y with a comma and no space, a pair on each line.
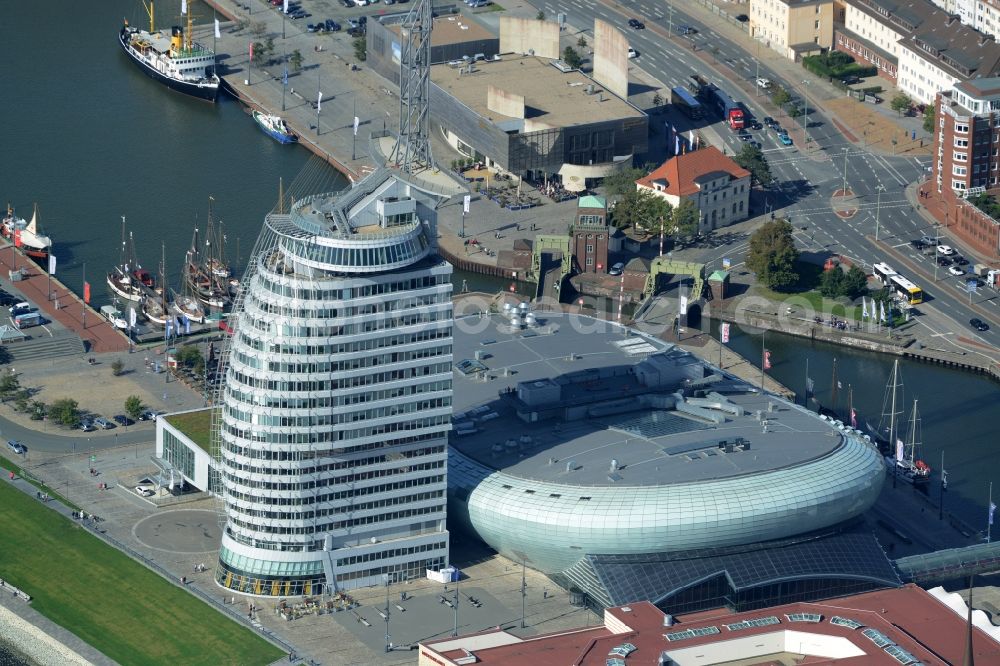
961,143
960,157
816,23
590,261
961,128
590,248
957,185
958,171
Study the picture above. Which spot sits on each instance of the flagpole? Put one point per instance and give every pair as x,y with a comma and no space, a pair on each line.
807,383
763,358
989,522
84,309
943,482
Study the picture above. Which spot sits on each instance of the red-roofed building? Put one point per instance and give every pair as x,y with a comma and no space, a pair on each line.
890,627
718,186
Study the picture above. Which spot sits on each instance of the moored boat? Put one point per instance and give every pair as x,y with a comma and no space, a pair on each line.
275,127
128,279
154,303
175,60
902,461
25,234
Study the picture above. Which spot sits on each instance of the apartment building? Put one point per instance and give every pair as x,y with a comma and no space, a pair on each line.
794,28
967,159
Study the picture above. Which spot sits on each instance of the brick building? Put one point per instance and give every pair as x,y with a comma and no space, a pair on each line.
590,235
967,161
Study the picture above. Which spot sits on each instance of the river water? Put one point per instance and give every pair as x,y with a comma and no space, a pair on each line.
89,138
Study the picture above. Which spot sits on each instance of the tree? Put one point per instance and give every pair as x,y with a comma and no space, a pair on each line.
9,385
259,29
269,47
257,53
657,99
117,367
929,120
795,112
134,407
37,410
752,159
622,181
65,411
772,255
572,58
296,60
582,42
855,283
189,356
900,103
685,219
831,284
540,15
360,48
780,97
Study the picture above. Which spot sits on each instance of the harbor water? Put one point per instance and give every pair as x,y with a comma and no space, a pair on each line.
91,139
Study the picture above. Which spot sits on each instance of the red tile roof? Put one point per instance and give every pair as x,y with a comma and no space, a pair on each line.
680,172
909,617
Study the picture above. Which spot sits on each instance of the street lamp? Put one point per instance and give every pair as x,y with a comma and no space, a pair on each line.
878,204
846,150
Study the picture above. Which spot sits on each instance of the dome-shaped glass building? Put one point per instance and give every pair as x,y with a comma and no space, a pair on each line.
332,430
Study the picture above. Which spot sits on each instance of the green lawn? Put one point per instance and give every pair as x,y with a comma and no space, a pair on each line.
814,301
110,601
196,425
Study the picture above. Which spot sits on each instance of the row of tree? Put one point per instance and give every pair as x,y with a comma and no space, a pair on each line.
641,209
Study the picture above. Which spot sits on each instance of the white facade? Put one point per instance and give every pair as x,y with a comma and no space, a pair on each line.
987,18
867,27
337,399
921,79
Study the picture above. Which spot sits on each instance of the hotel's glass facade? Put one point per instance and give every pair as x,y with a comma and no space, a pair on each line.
332,439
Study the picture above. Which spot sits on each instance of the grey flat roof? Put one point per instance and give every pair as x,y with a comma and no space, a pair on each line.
551,96
668,452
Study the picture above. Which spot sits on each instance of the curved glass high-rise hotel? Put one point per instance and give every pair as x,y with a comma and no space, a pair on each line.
332,435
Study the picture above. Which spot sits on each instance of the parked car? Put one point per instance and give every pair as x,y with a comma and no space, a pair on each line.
763,83
86,425
636,24
632,53
754,125
148,415
785,139
142,491
979,324
348,3
616,269
769,121
960,260
332,26
918,244
946,250
16,446
121,419
944,261
686,30
928,240
778,129
956,271
850,80
742,18
756,144
310,28
103,423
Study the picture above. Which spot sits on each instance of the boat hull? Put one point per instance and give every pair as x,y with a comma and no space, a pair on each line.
127,294
280,137
209,93
905,473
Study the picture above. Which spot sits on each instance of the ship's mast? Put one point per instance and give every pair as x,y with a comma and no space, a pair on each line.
913,433
150,11
187,33
892,414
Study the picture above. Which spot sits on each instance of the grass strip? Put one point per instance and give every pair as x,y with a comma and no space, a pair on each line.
110,601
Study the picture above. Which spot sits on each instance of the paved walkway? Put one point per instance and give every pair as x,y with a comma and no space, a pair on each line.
60,304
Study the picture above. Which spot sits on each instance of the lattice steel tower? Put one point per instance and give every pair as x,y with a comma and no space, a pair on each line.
412,151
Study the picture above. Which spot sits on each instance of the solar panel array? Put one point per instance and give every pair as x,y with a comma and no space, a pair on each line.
901,655
623,650
877,637
845,622
757,622
614,661
691,633
804,617
657,423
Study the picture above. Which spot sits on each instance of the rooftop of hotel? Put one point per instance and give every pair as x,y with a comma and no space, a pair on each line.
551,96
453,29
592,365
889,627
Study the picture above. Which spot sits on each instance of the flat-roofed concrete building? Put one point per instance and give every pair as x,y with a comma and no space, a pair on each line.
536,118
793,28
455,37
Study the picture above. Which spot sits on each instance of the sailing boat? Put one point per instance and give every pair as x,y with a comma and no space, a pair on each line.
901,459
207,272
154,302
127,279
908,468
25,234
186,303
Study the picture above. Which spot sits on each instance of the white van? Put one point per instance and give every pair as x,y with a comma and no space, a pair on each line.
114,315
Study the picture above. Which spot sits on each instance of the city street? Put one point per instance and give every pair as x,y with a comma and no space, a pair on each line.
812,174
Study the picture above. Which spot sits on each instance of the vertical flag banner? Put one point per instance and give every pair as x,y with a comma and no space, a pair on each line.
993,508
184,7
284,77
899,449
864,308
218,33
52,264
17,238
767,359
677,145
725,333
187,325
86,292
882,315
251,51
684,305
466,201
810,389
854,418
319,101
284,6
356,123
131,317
